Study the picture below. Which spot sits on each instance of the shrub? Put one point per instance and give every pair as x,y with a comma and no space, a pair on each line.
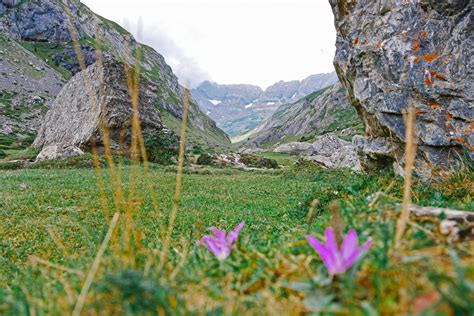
205,160
258,162
161,146
2,154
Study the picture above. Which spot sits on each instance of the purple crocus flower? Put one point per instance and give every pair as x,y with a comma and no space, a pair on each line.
338,260
221,243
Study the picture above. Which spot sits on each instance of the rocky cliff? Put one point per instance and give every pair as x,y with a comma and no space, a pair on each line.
40,30
393,53
320,112
238,109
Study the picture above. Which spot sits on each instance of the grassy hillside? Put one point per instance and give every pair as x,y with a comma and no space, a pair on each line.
54,221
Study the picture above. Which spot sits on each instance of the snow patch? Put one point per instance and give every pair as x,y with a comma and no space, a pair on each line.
215,102
270,103
248,105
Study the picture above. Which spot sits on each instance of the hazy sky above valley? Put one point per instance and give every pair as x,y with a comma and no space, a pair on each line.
232,41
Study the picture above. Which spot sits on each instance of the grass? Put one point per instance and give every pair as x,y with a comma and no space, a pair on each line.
56,215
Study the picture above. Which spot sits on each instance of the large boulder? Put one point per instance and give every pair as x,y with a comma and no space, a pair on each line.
95,101
393,53
332,152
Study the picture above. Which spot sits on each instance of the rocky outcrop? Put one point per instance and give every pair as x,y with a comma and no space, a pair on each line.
58,152
239,108
294,148
97,100
332,152
393,53
323,111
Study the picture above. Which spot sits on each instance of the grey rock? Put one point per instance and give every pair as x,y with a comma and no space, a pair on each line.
294,148
58,152
392,53
86,107
375,154
332,152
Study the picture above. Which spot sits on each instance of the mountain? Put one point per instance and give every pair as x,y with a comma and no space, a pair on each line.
38,58
239,108
320,112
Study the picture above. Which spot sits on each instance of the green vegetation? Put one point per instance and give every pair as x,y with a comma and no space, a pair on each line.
314,95
344,118
161,147
280,158
52,228
244,124
46,51
208,140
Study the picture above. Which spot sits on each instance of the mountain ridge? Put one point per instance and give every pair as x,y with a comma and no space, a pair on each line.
239,108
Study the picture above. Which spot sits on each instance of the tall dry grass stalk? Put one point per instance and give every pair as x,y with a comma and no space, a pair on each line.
410,155
336,221
179,179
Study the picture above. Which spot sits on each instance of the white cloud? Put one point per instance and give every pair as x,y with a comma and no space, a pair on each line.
249,41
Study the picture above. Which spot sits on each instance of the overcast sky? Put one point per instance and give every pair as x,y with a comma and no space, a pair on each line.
232,41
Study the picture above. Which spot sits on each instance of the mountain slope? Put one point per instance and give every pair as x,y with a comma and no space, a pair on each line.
238,109
320,112
41,27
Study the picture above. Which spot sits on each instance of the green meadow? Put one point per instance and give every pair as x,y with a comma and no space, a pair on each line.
55,220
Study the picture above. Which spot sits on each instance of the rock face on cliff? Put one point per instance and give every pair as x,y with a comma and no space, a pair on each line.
239,108
392,53
326,110
89,103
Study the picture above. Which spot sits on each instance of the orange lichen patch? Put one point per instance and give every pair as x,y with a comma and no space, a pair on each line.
378,45
430,57
449,116
416,45
356,40
448,125
437,75
420,112
424,34
417,59
428,81
461,140
434,105
470,147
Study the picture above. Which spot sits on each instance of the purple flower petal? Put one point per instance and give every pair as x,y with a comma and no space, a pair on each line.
331,242
349,261
233,235
221,243
326,255
349,245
